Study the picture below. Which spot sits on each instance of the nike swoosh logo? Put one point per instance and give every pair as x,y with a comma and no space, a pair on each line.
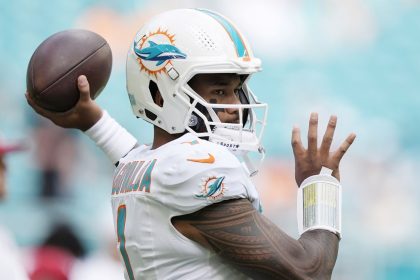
209,160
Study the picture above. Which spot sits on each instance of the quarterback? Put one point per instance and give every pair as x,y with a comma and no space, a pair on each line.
184,207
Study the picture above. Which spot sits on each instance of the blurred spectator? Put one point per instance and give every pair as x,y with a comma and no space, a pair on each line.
55,152
104,264
54,259
10,264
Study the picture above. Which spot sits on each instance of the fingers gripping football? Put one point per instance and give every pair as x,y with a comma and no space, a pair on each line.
82,116
309,161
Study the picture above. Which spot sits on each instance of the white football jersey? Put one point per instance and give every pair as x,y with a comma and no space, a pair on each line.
152,186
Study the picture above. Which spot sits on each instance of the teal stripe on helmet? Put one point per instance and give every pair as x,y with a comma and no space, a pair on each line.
233,33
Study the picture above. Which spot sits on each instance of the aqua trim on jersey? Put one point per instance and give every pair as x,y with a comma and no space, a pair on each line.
233,33
147,178
133,176
122,211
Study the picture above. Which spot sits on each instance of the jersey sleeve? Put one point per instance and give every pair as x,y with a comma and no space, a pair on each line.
194,177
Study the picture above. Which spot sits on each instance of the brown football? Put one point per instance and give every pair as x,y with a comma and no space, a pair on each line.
51,78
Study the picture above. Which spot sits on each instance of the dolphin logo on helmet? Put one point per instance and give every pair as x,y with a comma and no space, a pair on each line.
159,53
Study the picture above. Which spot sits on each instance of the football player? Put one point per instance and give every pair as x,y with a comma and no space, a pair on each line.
185,207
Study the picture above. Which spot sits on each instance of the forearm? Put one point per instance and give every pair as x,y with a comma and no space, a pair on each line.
312,256
322,248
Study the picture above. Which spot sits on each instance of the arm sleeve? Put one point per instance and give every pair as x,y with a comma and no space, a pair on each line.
114,140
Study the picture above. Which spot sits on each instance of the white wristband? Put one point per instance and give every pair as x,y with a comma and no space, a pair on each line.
111,137
319,204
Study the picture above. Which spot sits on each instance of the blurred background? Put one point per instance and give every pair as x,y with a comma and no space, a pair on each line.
358,59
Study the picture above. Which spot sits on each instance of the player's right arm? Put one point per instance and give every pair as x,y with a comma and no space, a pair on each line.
247,240
88,117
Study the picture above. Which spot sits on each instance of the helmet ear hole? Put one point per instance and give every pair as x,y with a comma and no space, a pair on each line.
156,96
196,121
151,116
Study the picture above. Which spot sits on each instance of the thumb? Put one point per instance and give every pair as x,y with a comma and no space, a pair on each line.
83,85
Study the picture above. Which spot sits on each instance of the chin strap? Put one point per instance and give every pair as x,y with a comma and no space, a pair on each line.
252,166
241,143
319,203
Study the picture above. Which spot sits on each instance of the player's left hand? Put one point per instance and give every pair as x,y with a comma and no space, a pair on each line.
309,161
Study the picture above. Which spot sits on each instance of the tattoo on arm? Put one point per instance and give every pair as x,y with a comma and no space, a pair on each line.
250,242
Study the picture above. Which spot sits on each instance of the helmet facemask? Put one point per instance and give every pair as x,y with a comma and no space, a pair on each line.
243,135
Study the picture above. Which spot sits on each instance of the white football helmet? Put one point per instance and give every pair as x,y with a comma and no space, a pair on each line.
171,49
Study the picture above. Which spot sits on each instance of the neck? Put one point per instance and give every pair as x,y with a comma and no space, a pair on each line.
161,137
